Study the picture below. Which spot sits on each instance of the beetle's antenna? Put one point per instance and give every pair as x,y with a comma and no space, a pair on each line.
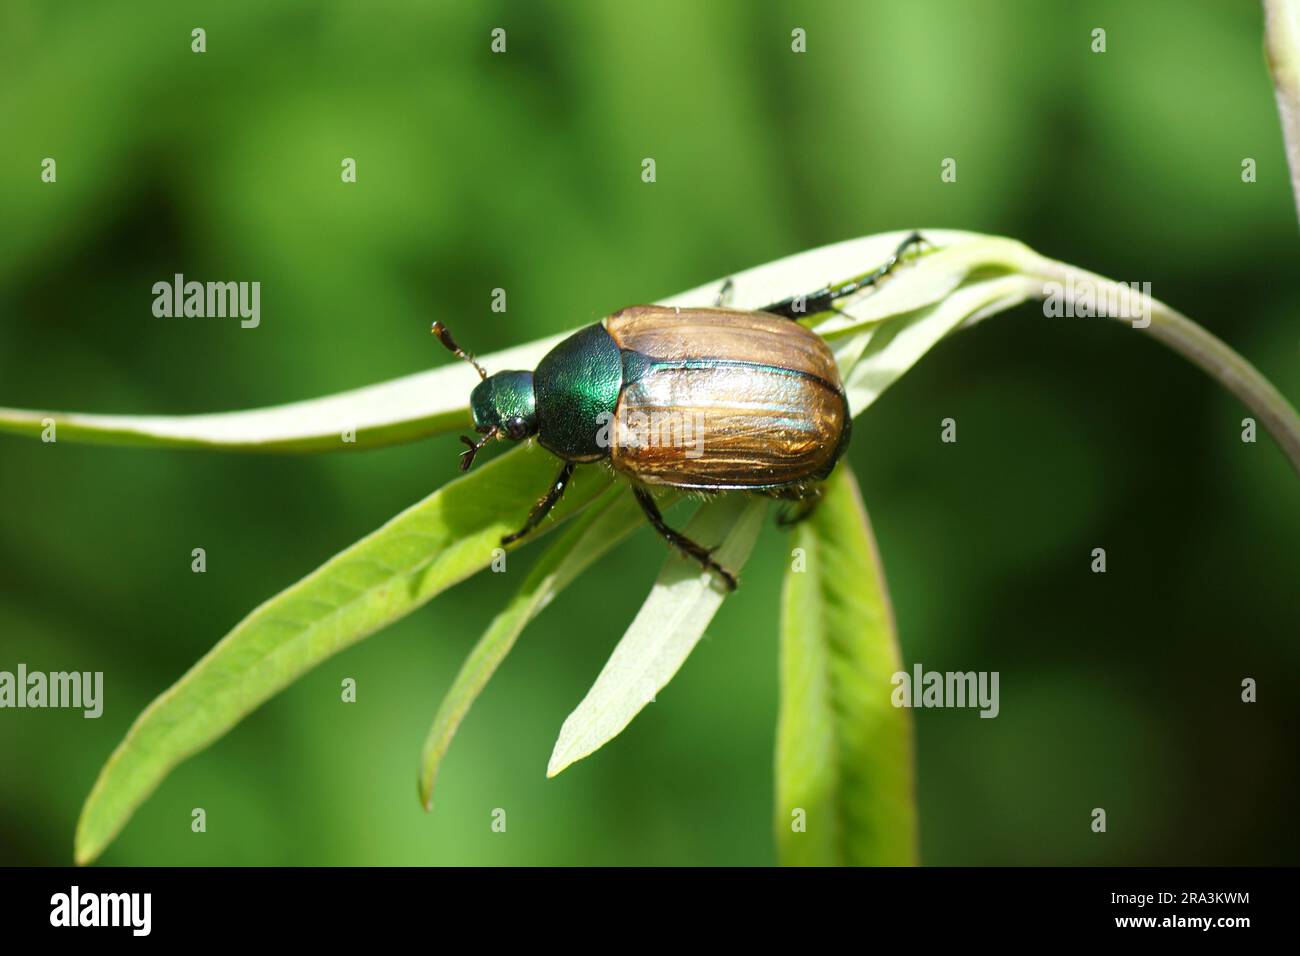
467,457
449,343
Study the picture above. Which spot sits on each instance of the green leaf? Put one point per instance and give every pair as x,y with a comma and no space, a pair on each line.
383,577
881,354
604,525
877,335
844,762
403,409
881,334
665,631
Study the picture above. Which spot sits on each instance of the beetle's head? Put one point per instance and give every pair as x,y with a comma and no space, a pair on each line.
502,404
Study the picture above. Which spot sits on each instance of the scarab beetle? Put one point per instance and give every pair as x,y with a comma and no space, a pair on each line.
704,399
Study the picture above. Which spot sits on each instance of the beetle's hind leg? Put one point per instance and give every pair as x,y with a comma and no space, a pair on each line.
823,300
679,541
544,506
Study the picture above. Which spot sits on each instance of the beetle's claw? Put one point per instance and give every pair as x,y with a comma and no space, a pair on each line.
467,457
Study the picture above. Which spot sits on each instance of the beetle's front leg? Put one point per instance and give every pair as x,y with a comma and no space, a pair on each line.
799,306
543,507
679,541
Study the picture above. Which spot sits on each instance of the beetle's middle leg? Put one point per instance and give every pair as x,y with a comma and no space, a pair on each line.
806,501
543,507
801,306
679,541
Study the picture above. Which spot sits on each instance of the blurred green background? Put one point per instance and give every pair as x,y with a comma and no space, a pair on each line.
523,171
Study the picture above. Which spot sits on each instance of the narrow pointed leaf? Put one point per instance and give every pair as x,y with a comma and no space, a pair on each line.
664,632
881,354
877,335
383,577
605,524
844,762
403,409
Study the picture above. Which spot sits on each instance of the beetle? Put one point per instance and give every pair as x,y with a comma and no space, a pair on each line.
699,399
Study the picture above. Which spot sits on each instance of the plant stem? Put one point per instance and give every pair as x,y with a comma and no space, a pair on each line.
1188,339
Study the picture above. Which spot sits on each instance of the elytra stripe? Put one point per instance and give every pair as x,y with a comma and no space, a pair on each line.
641,364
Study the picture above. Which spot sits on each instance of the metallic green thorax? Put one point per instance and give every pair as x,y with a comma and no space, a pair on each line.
505,401
576,387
